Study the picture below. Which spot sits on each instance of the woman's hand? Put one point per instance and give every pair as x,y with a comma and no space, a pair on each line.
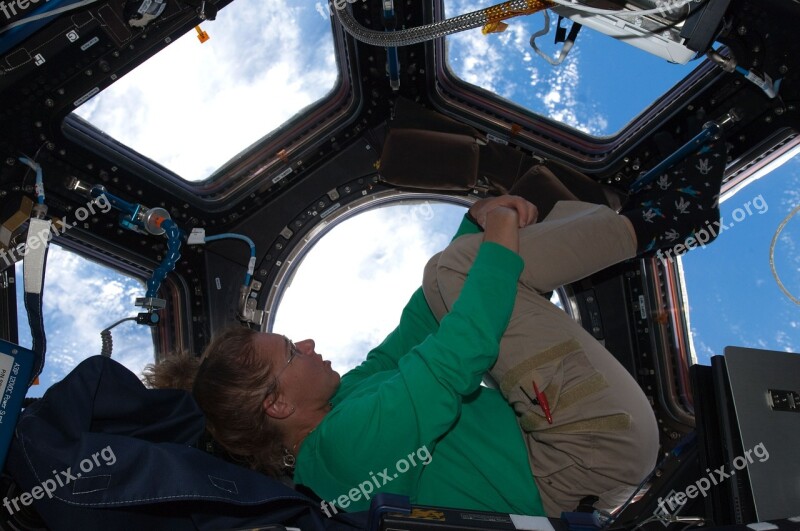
527,212
502,226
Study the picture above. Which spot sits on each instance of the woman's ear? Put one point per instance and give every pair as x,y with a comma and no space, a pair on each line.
276,408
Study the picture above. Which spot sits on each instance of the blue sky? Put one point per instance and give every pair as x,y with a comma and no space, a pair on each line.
81,298
733,297
228,92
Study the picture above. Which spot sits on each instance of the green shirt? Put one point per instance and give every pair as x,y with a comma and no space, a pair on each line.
413,419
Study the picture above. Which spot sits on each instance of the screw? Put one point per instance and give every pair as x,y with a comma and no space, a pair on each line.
741,30
783,69
49,102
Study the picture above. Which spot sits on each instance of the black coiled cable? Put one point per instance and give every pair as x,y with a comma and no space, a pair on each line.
107,341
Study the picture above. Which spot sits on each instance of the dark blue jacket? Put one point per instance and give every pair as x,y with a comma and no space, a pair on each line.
101,451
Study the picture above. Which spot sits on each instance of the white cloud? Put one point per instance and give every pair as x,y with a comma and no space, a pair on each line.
349,291
784,341
702,350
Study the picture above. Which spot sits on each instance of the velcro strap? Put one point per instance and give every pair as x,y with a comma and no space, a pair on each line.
616,422
516,374
36,254
33,273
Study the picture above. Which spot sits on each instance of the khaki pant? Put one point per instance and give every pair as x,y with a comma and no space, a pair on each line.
604,438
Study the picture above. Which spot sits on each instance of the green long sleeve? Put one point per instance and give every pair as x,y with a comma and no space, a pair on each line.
420,396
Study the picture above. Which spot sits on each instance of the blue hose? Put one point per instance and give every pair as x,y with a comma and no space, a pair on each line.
174,237
392,58
231,236
130,210
39,181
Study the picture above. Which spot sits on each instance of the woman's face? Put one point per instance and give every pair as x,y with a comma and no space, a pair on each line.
305,379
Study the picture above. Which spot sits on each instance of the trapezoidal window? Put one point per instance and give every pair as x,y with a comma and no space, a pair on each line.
601,86
194,106
80,299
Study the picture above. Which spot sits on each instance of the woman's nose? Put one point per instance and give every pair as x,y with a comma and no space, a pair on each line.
306,346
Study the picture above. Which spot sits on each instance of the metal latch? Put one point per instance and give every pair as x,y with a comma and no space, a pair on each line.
783,400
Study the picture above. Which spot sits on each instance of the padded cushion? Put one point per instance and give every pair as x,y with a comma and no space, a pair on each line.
429,160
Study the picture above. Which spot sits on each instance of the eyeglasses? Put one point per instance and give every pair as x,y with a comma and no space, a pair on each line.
293,353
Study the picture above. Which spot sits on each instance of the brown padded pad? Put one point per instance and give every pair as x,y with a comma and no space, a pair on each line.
415,158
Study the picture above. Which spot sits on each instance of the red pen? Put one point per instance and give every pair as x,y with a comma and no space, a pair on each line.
543,403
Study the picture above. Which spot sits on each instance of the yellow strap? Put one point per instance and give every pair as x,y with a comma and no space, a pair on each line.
494,27
616,422
505,10
577,393
202,36
515,375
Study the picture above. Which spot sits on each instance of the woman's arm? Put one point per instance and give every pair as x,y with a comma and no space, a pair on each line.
501,216
502,227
